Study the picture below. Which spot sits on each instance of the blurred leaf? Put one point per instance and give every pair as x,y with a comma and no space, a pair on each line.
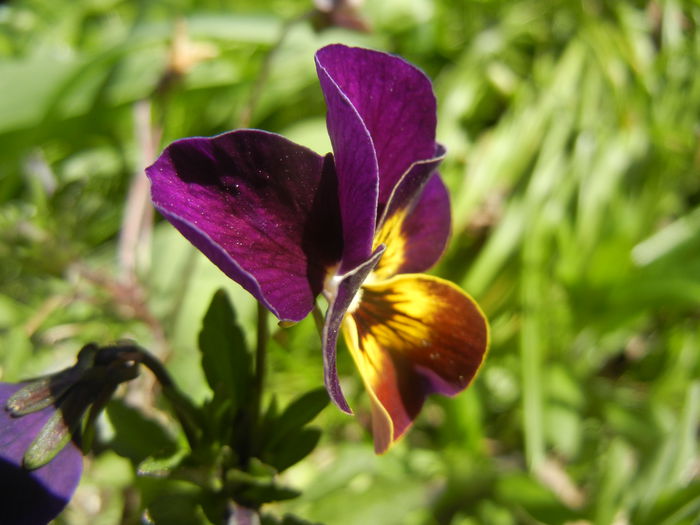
287,519
523,491
170,502
674,507
296,446
255,490
16,348
136,436
260,29
25,100
297,414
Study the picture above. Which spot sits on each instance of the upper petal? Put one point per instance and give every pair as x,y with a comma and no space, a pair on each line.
412,336
32,497
263,209
395,101
356,166
416,222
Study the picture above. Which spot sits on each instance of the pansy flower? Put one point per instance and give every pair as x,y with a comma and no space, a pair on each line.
357,226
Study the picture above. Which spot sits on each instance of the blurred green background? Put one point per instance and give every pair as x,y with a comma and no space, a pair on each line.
572,130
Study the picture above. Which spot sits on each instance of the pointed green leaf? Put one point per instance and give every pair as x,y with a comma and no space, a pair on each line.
297,414
295,447
225,357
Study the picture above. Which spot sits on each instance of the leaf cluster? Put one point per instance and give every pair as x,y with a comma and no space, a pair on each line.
232,453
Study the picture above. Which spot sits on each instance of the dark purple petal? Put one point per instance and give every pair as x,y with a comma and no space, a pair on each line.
411,184
356,166
32,497
427,228
263,209
347,287
415,225
395,101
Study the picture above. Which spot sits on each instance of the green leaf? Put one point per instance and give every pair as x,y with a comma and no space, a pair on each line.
225,357
287,519
295,447
16,349
674,507
297,414
137,436
171,502
525,492
262,29
253,491
24,99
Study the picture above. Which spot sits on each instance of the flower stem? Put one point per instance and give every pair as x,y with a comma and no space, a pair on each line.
260,359
185,411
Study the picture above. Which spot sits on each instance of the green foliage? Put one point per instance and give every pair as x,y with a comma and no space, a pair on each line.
228,370
136,436
234,454
571,130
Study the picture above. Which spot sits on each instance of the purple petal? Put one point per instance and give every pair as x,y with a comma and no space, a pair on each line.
32,497
395,101
411,184
427,228
415,225
356,166
263,209
348,286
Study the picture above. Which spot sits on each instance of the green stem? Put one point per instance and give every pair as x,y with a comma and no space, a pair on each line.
185,411
260,359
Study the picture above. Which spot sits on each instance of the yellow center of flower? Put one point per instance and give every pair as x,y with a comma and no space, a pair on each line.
392,237
394,240
332,282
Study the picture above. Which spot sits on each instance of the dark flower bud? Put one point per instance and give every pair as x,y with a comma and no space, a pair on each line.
40,424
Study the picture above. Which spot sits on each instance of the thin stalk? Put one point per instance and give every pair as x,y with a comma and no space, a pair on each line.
260,359
185,411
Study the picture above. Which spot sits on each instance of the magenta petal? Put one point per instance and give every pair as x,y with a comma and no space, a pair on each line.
395,101
427,228
32,497
261,207
348,286
356,166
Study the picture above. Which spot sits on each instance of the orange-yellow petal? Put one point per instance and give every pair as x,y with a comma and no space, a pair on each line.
411,336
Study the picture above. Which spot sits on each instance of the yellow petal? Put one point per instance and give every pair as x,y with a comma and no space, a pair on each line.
391,236
411,336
